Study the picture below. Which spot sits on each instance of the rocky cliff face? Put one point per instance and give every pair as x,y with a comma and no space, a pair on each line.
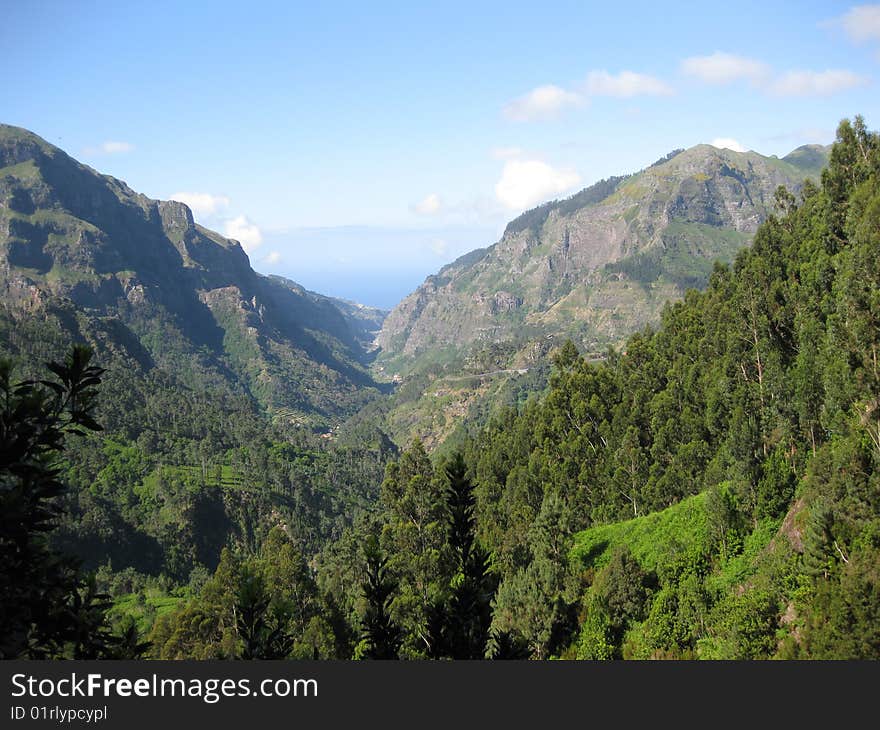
600,264
185,293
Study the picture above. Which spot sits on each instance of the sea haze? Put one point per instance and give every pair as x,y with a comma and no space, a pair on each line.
371,265
374,288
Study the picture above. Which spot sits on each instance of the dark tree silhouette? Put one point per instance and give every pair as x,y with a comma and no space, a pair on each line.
459,625
382,635
260,625
49,609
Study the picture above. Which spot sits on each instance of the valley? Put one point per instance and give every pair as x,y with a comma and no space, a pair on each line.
640,425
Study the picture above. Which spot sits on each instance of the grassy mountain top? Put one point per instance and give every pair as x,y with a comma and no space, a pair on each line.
675,212
811,158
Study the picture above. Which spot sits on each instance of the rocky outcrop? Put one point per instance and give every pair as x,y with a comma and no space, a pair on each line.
177,218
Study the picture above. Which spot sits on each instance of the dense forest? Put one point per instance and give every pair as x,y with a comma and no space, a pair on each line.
708,490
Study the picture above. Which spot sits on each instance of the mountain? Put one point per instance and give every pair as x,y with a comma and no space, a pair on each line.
222,389
141,281
600,264
594,267
363,322
724,468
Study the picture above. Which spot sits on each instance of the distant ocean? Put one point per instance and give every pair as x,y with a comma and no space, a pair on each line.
376,289
374,266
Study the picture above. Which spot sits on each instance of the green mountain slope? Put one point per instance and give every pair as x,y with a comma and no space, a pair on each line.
712,488
598,265
595,268
220,383
169,292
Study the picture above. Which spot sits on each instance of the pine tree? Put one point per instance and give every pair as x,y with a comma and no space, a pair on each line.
459,626
261,623
381,635
506,645
413,539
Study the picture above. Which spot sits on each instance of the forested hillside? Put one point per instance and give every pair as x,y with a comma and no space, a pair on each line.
740,441
708,490
221,386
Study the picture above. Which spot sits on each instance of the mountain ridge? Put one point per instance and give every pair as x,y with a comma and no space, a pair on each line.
547,252
594,268
68,232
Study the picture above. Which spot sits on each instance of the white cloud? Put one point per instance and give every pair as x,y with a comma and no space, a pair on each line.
524,183
506,153
861,23
724,68
545,102
429,205
244,231
439,246
272,258
626,84
109,148
814,83
202,204
727,143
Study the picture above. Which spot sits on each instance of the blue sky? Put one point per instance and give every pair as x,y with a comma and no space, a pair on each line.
358,147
